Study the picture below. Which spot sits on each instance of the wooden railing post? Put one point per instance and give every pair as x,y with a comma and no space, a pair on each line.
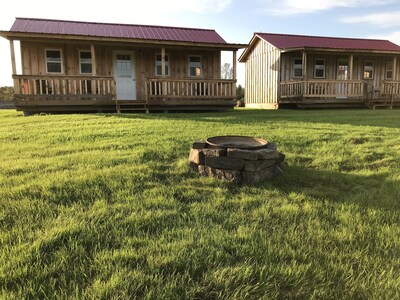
146,94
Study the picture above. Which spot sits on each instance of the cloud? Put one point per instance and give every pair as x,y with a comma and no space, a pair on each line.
383,20
294,7
177,6
205,6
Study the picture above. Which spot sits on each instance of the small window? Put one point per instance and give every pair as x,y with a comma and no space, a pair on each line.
53,61
159,65
298,68
195,68
319,69
85,62
389,70
369,70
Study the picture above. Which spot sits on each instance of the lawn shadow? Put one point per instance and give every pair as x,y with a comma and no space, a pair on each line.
354,117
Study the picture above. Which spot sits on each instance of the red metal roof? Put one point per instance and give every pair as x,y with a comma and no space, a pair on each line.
287,41
125,31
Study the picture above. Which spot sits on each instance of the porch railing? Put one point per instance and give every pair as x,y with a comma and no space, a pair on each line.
390,87
323,89
64,85
190,88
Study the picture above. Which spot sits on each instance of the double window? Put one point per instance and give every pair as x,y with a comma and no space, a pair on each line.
195,67
54,62
159,65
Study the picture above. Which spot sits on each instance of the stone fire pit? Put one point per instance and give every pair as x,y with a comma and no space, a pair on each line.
236,158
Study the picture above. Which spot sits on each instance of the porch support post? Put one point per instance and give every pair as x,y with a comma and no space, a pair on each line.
93,54
17,89
14,66
234,72
163,62
351,67
394,68
94,70
304,64
164,84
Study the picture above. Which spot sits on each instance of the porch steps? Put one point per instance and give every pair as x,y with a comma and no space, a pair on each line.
131,106
374,106
323,103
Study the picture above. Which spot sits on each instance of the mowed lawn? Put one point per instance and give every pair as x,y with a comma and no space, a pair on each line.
97,206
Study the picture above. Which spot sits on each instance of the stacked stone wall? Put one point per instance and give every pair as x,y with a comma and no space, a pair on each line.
236,165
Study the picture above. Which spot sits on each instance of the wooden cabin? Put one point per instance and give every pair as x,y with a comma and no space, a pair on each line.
310,71
81,66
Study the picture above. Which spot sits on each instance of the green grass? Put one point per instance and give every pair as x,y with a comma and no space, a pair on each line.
103,207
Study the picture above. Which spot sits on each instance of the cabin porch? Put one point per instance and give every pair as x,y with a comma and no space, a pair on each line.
35,93
345,93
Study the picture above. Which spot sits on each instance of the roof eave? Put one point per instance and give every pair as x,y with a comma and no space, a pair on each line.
366,51
23,35
248,49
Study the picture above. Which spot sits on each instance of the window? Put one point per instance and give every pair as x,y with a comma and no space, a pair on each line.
319,69
195,66
298,67
85,62
159,65
369,70
343,69
123,66
389,70
53,61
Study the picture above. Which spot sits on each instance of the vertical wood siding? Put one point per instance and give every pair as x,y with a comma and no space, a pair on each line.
33,61
262,75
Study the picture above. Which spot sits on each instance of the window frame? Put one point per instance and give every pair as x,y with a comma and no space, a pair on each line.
390,62
61,60
190,65
80,62
317,69
372,70
294,67
159,63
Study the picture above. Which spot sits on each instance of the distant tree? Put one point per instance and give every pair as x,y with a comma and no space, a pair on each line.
239,92
240,96
226,71
6,93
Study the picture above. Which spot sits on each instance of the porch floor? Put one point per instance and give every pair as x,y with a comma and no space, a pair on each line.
341,103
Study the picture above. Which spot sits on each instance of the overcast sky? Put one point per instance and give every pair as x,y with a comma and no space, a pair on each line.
234,20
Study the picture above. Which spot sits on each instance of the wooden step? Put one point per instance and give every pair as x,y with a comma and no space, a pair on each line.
382,105
131,106
331,105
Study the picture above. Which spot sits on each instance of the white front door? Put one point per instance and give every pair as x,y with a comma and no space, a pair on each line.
124,74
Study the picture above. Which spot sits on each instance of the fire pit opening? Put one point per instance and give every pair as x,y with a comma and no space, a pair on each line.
238,142
236,158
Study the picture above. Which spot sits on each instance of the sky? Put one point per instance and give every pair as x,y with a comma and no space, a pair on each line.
235,20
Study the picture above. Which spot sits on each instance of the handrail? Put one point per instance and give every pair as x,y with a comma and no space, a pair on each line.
63,85
322,89
197,88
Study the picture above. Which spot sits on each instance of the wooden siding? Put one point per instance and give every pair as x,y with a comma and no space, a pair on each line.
262,76
33,61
